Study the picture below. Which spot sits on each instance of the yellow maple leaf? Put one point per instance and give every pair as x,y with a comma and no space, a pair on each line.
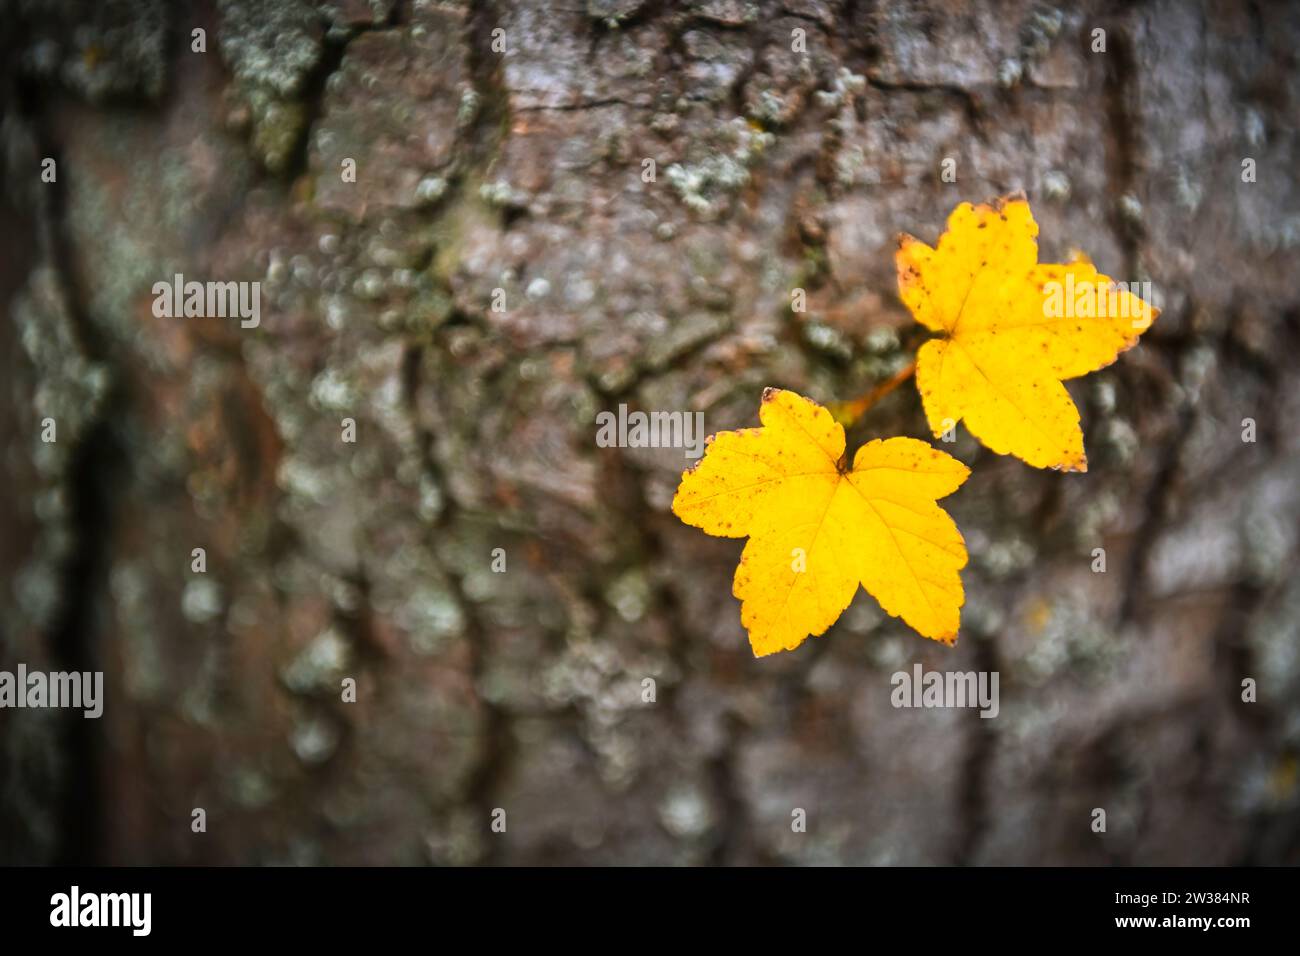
817,529
1010,329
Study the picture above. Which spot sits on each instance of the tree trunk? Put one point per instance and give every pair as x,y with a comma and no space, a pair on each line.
558,208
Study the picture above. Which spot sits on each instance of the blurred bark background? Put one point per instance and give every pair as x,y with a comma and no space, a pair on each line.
522,171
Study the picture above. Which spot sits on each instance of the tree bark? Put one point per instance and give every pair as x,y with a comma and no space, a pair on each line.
558,208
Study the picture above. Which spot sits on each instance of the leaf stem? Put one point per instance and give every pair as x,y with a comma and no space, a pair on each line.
849,412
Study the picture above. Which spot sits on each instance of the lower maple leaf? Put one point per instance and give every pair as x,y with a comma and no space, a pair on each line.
818,528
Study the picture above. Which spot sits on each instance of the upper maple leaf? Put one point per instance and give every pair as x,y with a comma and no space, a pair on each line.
1010,329
817,528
